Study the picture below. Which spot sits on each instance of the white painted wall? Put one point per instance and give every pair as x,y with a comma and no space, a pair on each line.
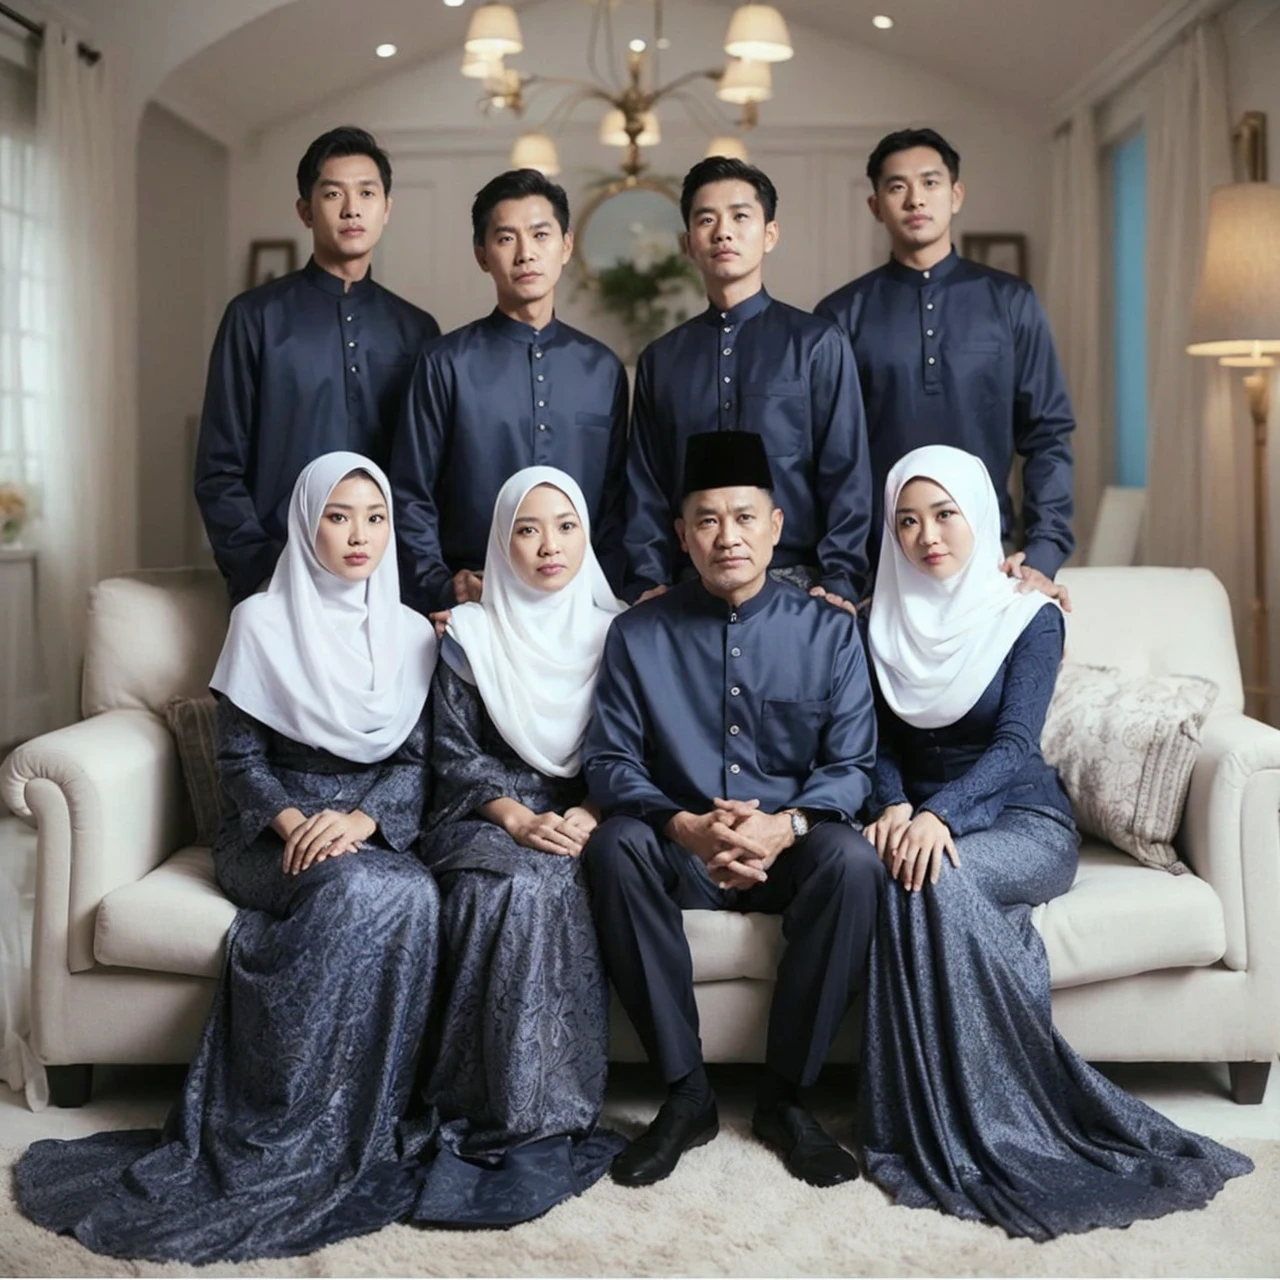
183,189
831,104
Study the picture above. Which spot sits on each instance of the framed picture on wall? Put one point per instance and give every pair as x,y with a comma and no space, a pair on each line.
270,259
1006,251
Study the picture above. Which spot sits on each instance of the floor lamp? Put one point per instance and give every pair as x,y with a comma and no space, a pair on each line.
1236,317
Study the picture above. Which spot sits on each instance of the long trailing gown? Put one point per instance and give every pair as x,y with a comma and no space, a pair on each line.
971,1102
518,1079
290,1130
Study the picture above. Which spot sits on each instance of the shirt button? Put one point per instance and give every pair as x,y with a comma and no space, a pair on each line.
928,333
537,355
733,768
728,328
542,404
726,377
724,315
735,691
925,274
733,729
932,360
542,426
928,306
351,344
350,319
728,404
728,351
735,653
541,378
354,369
733,617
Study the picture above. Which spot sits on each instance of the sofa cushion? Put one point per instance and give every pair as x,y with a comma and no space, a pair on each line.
1119,919
194,725
152,636
174,919
1125,747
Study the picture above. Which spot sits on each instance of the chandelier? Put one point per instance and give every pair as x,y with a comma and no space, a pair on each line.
757,36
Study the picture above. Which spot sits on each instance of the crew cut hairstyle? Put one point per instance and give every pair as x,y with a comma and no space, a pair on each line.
516,184
904,140
346,140
725,169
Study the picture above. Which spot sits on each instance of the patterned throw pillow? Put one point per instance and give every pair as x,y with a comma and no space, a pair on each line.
1125,747
194,725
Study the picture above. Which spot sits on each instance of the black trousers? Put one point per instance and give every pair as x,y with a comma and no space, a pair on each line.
826,890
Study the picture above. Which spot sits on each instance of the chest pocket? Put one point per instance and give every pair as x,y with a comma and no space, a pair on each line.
790,734
778,410
389,381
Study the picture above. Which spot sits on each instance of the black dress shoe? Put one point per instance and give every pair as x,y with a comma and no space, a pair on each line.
656,1152
807,1150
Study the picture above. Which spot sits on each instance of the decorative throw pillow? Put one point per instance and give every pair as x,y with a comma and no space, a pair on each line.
194,725
1125,747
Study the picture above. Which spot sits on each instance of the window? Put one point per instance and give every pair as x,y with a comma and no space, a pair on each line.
23,324
1129,303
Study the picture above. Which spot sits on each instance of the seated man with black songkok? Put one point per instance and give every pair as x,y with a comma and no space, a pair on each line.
732,739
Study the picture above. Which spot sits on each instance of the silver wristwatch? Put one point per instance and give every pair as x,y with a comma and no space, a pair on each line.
799,824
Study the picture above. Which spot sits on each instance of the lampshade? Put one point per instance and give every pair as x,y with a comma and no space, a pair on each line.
758,31
478,66
745,81
536,151
1237,302
729,147
613,129
494,31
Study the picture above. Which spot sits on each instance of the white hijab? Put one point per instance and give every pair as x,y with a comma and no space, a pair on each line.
938,644
340,666
533,655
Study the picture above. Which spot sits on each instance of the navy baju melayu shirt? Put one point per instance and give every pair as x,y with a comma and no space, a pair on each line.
486,401
768,700
766,367
301,366
962,354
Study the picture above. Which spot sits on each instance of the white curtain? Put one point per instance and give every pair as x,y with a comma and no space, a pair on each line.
88,530
1198,450
23,337
1073,301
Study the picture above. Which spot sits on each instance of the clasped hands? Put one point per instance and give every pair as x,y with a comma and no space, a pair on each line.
912,847
564,834
735,841
327,834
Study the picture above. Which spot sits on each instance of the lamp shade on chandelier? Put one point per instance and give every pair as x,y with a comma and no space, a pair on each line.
536,151
745,81
758,32
494,32
613,129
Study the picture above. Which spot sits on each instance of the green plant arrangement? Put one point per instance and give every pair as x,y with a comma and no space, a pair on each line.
647,293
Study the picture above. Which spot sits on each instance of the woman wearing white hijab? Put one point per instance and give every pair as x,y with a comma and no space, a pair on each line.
970,1100
287,1134
524,1037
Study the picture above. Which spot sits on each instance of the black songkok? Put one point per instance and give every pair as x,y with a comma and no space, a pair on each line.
725,460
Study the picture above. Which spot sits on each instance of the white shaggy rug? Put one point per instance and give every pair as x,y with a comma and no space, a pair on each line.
730,1209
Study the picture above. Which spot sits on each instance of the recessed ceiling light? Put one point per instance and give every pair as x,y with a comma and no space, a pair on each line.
882,21
455,4
636,46
386,51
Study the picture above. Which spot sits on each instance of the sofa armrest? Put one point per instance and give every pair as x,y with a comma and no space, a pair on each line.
1231,834
107,797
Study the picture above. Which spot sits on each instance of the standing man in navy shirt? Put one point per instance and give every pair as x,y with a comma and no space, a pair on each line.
518,388
315,361
953,352
750,363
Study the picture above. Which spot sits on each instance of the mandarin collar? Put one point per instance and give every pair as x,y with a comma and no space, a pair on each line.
330,283
726,612
922,279
518,331
753,306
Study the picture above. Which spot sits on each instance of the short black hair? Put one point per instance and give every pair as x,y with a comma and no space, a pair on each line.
516,184
346,140
904,140
725,169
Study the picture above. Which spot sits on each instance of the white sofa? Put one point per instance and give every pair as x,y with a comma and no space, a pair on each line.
1146,966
